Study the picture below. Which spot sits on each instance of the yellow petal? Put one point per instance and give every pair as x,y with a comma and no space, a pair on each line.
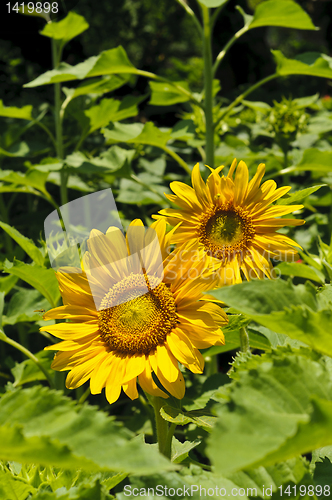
131,389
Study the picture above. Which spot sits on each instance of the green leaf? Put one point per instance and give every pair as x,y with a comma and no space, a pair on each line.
135,134
166,94
315,160
212,3
12,112
28,245
183,130
98,86
180,451
109,62
310,63
17,150
283,308
33,178
111,110
14,488
38,277
300,270
323,475
279,407
112,160
87,490
7,283
299,196
22,307
66,29
201,418
285,13
27,371
39,425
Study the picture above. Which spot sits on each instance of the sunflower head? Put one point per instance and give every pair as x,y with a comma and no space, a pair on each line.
232,220
135,311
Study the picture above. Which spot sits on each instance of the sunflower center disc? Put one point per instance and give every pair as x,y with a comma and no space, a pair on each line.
140,320
224,228
226,231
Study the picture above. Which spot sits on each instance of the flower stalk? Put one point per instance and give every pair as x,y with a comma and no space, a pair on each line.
164,430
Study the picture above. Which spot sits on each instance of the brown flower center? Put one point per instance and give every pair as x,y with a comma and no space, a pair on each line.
140,320
225,231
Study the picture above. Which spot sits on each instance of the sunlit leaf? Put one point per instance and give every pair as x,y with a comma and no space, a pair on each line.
38,277
111,110
47,428
66,29
315,160
300,270
280,406
212,3
298,195
310,63
12,112
165,94
285,13
22,307
27,244
283,308
15,488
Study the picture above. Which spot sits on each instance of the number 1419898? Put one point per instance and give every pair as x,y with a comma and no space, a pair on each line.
33,7
304,490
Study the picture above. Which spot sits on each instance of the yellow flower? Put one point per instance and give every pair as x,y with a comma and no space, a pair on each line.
231,220
144,322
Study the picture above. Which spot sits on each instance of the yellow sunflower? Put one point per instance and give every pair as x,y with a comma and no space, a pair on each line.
231,220
144,322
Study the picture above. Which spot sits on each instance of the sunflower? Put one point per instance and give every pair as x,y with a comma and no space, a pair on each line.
231,220
127,321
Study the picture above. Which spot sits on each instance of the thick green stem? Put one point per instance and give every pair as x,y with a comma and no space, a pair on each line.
56,56
244,340
208,87
27,353
164,430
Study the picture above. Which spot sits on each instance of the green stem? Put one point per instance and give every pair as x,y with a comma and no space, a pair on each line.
56,56
211,365
191,14
244,95
29,354
84,396
164,430
208,87
228,45
176,157
244,340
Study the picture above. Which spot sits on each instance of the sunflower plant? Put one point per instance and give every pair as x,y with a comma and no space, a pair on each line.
188,355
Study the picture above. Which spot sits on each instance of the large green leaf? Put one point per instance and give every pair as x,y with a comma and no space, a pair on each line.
165,94
28,245
109,62
22,307
32,179
111,110
14,488
66,29
280,406
98,86
12,112
41,426
112,160
27,371
285,13
38,277
135,134
310,63
315,160
284,308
